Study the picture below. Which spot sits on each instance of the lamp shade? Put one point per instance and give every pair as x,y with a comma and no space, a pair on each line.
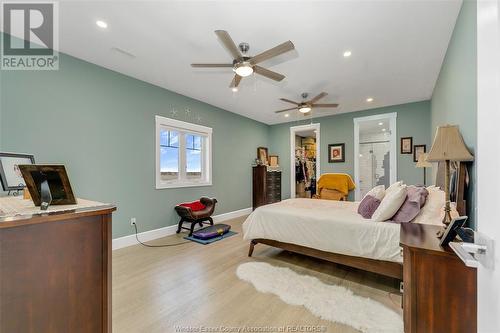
449,145
422,161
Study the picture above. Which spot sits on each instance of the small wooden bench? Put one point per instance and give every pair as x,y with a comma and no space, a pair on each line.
196,212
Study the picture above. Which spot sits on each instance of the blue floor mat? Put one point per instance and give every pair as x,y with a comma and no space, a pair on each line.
211,240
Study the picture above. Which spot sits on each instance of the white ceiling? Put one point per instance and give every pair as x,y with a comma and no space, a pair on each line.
397,48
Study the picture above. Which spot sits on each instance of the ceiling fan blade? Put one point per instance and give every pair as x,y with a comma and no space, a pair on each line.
317,98
325,105
285,110
275,51
236,81
289,101
228,43
211,65
269,74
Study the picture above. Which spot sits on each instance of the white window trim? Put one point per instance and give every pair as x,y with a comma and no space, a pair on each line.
163,122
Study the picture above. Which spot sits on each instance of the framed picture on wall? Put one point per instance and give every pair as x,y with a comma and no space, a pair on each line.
336,153
12,179
417,151
407,145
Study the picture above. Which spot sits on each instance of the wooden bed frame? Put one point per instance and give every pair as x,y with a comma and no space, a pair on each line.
387,268
382,267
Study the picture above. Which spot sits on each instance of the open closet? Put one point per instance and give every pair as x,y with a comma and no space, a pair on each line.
305,164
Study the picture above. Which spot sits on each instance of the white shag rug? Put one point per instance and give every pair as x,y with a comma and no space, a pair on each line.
329,302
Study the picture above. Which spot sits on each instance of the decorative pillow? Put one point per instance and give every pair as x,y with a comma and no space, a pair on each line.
390,204
393,187
368,206
432,210
378,192
415,199
419,191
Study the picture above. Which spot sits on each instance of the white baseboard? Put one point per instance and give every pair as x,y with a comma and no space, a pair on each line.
146,236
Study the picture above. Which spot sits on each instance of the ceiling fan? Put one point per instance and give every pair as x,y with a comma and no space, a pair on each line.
244,65
306,106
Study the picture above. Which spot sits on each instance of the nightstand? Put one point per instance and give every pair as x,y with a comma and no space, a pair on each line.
439,291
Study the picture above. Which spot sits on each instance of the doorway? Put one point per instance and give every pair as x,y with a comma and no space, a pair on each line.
304,160
374,152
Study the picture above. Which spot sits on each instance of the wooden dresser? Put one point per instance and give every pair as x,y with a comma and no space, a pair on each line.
55,272
440,293
266,186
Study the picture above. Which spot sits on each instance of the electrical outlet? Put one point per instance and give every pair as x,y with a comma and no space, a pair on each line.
132,221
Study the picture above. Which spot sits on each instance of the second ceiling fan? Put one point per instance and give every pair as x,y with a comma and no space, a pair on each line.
244,65
306,106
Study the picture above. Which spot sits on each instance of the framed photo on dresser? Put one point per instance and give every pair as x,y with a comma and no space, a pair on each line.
57,180
262,155
10,175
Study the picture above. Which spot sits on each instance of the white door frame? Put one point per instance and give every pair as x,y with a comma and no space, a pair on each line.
393,142
487,159
293,130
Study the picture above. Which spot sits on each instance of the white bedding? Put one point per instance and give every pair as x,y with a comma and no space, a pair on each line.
332,226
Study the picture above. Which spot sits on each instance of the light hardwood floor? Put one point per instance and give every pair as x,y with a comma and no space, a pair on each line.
193,285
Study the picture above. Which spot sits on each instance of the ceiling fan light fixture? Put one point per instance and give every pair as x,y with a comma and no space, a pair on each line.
305,109
243,69
101,24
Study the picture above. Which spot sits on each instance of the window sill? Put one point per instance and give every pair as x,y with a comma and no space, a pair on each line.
180,185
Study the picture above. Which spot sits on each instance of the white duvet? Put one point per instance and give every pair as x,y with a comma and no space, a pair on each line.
332,226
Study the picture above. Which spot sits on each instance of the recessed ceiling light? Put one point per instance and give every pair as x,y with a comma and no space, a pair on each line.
383,129
380,124
369,99
234,89
287,115
347,54
101,24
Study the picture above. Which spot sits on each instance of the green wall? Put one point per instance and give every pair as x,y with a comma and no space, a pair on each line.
454,100
413,120
101,125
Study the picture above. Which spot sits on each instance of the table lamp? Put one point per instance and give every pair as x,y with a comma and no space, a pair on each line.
448,146
423,163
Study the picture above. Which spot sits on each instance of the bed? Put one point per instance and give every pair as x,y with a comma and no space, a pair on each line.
333,231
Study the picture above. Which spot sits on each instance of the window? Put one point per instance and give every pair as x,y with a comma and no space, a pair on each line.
183,154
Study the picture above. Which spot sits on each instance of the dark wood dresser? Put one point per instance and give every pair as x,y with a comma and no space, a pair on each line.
55,272
266,186
440,292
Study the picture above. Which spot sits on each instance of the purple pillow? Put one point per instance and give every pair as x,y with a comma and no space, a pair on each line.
368,206
415,199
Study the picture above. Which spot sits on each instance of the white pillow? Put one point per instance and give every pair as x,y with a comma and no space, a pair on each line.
378,192
393,187
390,204
433,210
